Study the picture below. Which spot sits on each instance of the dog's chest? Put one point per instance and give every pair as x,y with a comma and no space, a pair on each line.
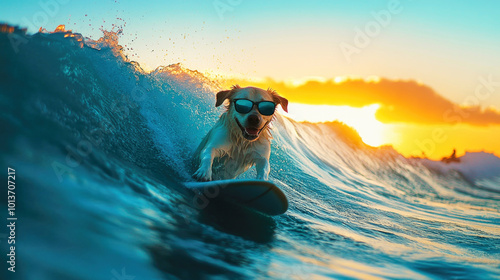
239,157
233,162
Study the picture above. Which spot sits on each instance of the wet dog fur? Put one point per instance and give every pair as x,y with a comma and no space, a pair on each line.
237,141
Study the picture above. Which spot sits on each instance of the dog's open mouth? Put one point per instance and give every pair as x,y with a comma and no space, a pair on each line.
250,133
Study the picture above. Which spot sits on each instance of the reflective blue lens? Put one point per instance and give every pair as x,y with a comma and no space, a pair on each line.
266,108
243,106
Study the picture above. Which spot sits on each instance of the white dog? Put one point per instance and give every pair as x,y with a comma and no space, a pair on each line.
241,137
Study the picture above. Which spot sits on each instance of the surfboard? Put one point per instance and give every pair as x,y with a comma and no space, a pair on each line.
259,195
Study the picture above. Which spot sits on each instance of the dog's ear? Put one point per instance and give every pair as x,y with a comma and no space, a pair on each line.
283,102
221,96
279,99
225,94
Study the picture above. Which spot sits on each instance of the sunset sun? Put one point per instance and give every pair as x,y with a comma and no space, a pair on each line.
372,131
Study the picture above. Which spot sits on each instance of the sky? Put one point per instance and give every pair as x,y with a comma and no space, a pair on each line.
426,72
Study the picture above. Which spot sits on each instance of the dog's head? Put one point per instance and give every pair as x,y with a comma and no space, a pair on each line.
250,109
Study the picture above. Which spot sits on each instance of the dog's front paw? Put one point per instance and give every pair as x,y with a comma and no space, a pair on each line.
203,175
263,177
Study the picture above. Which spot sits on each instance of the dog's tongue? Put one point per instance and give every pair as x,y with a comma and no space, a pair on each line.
252,131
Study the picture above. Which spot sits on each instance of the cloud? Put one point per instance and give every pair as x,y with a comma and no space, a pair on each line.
401,101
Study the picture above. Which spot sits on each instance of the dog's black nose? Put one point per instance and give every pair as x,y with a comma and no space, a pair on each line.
253,120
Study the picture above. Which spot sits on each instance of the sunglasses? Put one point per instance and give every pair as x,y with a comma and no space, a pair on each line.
244,106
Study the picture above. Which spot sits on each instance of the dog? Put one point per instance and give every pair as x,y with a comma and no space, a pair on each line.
241,137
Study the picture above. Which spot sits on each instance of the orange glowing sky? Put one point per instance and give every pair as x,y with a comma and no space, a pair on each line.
408,115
